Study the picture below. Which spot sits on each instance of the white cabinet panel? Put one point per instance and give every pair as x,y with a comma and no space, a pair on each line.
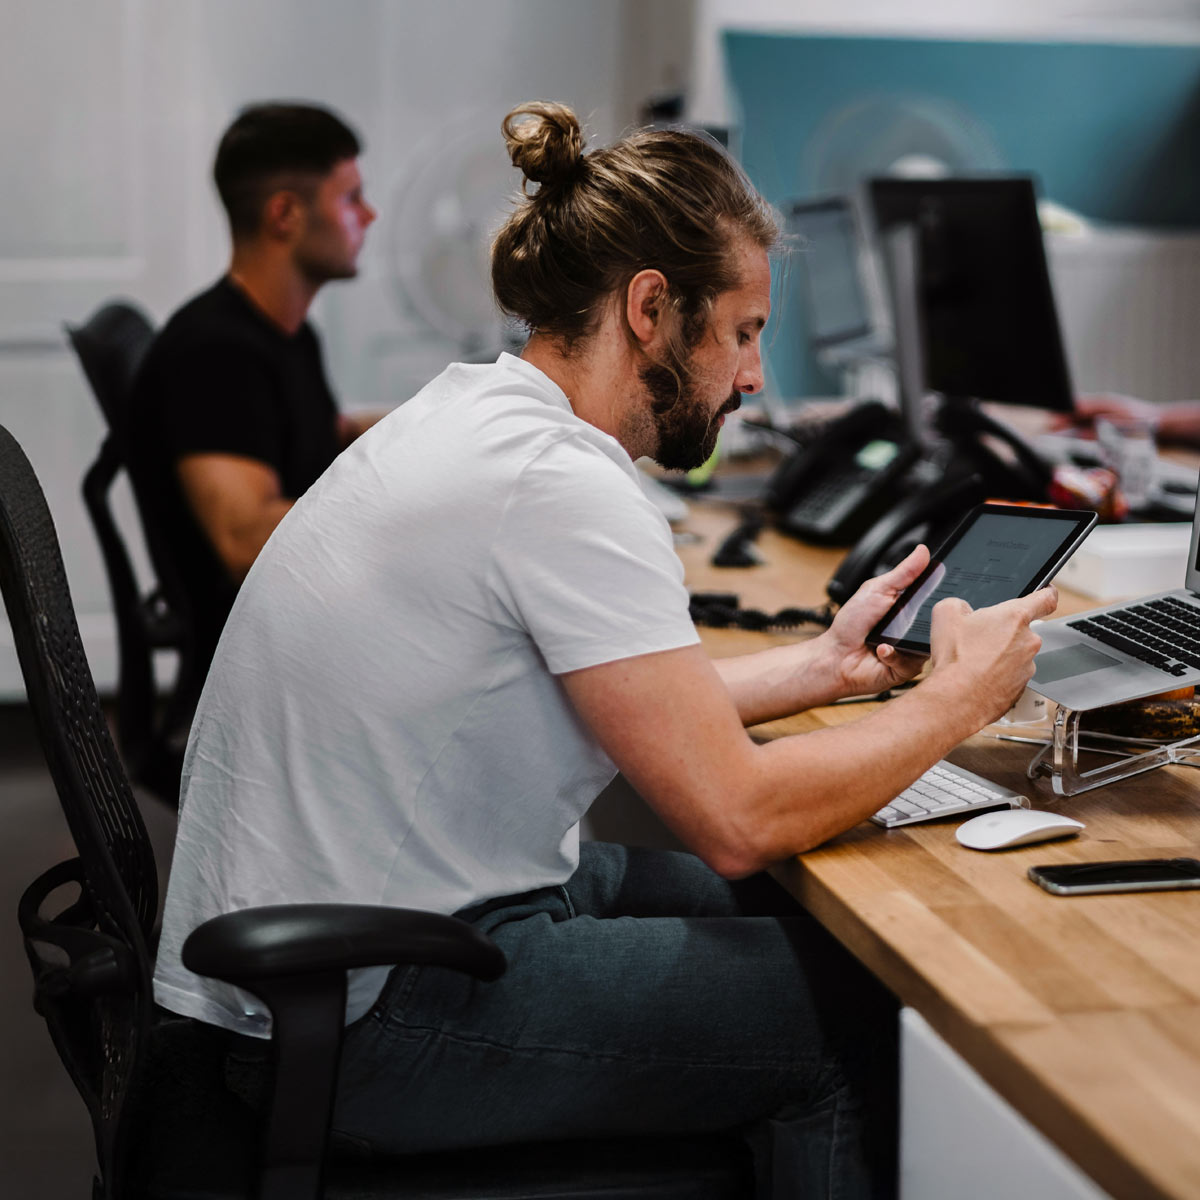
958,1138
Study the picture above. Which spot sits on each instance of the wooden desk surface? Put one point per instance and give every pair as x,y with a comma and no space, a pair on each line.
1083,1012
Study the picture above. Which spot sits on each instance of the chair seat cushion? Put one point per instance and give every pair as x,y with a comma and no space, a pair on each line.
195,1140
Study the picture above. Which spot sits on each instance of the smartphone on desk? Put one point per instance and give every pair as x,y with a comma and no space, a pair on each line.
1133,875
996,553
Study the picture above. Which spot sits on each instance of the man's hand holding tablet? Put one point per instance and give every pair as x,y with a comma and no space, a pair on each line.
986,582
999,552
995,644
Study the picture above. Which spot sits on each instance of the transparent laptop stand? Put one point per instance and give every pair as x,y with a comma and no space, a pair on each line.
1061,757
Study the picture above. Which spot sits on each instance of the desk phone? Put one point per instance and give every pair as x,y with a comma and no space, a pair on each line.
834,489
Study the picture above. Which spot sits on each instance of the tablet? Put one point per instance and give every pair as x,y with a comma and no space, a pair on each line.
997,552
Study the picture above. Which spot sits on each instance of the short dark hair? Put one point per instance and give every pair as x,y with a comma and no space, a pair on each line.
276,145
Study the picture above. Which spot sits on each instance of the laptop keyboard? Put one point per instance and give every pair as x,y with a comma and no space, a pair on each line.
1163,633
946,791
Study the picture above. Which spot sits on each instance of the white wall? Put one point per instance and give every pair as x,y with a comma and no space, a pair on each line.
109,114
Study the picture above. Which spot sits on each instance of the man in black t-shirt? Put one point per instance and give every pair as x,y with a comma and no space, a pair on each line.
232,418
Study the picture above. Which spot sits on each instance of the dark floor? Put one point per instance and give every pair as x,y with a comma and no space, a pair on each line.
45,1137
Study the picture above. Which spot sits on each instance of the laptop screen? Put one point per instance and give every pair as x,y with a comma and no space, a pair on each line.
1192,582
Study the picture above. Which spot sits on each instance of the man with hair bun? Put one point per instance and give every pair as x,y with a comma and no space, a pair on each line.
473,620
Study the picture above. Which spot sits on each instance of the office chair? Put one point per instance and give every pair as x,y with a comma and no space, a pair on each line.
166,1126
110,345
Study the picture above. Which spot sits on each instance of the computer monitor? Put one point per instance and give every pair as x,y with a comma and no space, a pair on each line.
989,326
838,310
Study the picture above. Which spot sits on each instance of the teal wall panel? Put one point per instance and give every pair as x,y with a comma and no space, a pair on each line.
1112,131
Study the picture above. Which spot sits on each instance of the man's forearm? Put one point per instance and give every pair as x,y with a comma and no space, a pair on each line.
812,786
742,806
781,681
1180,422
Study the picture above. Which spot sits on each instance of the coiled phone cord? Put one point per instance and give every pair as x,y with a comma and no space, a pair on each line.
720,610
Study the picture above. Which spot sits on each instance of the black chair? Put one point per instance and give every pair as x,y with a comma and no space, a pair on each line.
151,734
166,1125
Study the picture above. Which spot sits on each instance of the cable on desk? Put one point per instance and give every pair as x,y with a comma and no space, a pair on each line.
735,549
720,610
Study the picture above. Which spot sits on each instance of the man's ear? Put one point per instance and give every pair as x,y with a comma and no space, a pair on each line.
645,305
283,214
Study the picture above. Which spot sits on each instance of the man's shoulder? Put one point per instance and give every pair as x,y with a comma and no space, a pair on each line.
215,315
509,420
207,338
511,395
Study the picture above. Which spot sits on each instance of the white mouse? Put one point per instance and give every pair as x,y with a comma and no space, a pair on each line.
1015,827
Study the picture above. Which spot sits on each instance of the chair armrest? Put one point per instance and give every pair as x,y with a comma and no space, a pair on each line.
297,939
294,957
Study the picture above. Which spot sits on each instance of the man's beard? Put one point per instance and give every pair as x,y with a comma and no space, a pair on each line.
687,432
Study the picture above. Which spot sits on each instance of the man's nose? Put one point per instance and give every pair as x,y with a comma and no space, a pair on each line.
750,377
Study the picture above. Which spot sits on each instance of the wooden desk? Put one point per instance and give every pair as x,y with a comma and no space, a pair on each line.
1083,1012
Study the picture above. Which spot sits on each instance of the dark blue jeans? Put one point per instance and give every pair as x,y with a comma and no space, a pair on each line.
645,996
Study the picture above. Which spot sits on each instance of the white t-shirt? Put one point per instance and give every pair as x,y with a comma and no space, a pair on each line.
382,723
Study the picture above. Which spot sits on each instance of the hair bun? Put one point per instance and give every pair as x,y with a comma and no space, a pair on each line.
544,141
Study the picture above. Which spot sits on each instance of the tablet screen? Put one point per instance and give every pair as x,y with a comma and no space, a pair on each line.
998,552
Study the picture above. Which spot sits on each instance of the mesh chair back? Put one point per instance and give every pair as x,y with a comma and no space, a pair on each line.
111,345
89,958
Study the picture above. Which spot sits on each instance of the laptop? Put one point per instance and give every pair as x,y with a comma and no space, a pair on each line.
1125,651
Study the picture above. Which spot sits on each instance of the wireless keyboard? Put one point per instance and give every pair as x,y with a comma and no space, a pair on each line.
946,791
